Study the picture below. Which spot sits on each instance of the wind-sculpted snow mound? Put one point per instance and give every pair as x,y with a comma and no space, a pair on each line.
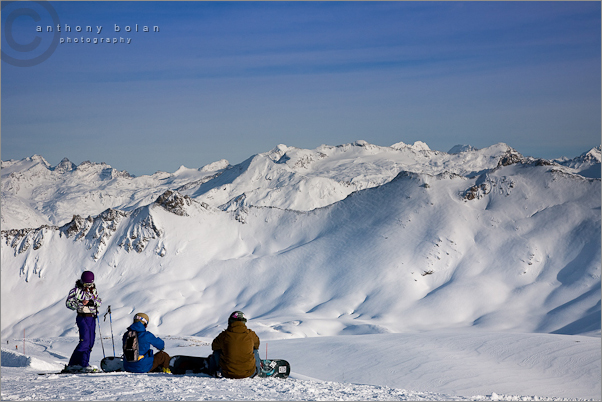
16,359
12,359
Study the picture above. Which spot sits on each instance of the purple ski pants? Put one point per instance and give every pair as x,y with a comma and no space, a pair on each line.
87,333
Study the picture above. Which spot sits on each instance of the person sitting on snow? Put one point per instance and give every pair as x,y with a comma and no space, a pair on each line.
147,360
235,350
84,299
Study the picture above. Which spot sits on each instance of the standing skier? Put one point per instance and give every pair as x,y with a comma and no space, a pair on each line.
235,350
84,299
145,361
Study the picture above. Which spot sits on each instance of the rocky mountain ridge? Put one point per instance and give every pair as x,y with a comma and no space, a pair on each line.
35,193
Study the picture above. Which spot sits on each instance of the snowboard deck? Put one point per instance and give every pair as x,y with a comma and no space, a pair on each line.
111,363
179,364
189,365
278,368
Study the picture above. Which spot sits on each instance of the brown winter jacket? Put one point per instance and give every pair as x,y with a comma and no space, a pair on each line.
236,345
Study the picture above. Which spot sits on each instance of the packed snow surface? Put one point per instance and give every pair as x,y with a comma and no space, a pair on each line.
385,273
451,365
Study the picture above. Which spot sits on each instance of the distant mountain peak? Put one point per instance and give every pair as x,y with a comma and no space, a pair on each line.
457,149
64,166
587,164
277,153
417,146
285,177
593,155
214,166
510,158
30,161
421,146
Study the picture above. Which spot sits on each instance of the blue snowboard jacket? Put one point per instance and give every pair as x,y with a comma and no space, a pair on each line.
145,340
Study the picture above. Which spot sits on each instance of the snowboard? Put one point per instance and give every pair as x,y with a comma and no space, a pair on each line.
111,363
189,365
194,365
274,368
65,371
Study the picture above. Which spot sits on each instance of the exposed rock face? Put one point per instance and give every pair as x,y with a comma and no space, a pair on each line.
174,202
485,184
98,231
22,239
78,227
510,158
140,232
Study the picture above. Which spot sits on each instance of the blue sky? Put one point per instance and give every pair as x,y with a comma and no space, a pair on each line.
232,79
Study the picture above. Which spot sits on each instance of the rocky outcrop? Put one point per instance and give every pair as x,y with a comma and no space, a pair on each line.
238,207
142,229
174,202
22,239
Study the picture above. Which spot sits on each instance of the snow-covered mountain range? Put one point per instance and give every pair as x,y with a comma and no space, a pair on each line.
34,193
350,239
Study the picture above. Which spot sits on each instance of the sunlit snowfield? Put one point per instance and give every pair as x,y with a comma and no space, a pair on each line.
436,365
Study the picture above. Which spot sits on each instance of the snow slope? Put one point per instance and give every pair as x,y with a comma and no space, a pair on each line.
451,365
394,245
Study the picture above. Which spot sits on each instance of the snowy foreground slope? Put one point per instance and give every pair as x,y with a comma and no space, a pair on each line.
436,365
462,274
